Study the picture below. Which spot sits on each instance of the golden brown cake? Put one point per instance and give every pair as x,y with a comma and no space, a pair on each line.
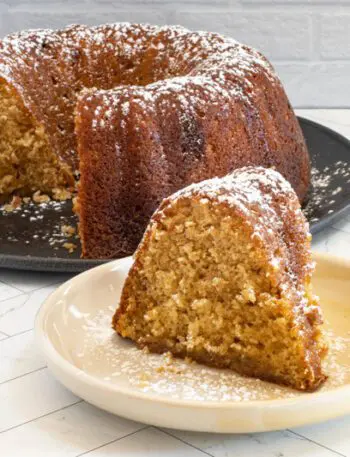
148,110
223,276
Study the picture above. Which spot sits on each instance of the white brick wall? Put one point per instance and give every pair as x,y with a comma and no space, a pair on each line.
308,41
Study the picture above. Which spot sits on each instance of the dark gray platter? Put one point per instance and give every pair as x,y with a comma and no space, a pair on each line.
31,238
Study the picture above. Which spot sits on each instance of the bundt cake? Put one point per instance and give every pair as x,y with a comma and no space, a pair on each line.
223,276
146,110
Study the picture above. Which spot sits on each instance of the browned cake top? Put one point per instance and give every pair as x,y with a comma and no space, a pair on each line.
49,68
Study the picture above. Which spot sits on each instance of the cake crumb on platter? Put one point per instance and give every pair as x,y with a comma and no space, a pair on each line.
61,194
68,230
71,247
15,203
38,197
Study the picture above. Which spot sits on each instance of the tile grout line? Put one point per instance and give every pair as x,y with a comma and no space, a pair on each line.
185,442
16,308
36,289
10,285
113,441
15,296
28,297
22,375
340,230
17,334
315,442
40,417
28,292
58,283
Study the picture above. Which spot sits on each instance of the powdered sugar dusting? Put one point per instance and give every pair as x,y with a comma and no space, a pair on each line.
339,372
36,228
326,188
201,69
178,379
131,62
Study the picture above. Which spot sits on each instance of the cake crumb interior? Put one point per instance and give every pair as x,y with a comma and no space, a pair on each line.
27,161
203,291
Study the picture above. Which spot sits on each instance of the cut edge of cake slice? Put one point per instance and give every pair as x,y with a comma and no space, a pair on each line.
223,276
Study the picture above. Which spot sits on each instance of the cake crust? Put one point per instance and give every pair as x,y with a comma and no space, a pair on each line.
146,111
212,105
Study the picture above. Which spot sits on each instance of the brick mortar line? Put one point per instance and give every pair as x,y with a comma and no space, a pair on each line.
108,7
295,6
307,63
324,107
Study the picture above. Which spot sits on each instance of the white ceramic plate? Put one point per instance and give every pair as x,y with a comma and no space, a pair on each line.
85,354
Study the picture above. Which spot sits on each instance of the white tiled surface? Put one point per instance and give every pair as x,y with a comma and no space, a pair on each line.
40,418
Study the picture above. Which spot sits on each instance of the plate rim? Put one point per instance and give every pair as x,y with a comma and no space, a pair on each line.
56,359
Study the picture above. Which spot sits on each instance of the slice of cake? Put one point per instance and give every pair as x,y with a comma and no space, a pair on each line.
223,276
